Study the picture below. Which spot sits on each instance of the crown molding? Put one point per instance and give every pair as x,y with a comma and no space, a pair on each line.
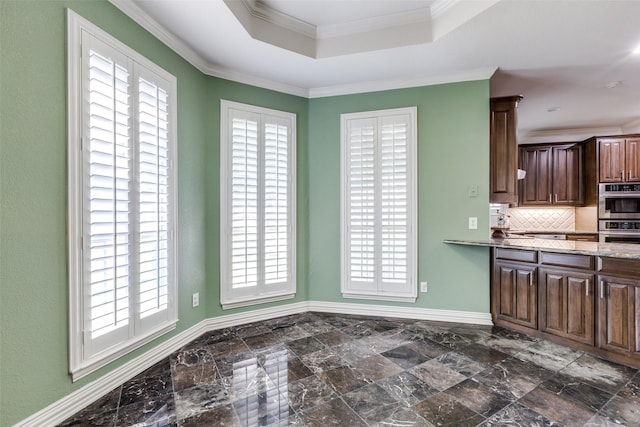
440,7
376,86
260,10
370,25
252,80
129,8
566,135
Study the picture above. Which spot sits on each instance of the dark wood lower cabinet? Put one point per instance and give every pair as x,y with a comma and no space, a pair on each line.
619,315
567,304
516,286
571,299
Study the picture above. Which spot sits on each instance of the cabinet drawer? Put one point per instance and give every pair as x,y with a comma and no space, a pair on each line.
619,266
516,255
567,260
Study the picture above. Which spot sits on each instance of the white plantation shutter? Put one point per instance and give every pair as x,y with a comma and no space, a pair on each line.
361,190
394,202
257,189
121,199
244,202
276,201
107,202
378,205
153,196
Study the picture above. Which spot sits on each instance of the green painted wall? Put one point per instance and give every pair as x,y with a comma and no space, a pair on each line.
453,154
453,149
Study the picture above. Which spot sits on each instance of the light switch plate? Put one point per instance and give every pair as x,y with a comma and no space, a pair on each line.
195,299
423,286
473,223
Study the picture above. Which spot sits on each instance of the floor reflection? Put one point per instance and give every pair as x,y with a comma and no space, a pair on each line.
261,391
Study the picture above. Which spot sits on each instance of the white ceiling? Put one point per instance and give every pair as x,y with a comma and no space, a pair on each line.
557,54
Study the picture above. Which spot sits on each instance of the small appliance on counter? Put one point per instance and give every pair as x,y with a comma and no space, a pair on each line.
502,225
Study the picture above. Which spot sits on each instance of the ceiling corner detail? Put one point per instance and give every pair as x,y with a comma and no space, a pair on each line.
421,24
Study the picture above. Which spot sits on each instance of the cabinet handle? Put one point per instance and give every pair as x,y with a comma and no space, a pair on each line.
601,289
622,175
587,288
531,280
549,197
628,175
556,197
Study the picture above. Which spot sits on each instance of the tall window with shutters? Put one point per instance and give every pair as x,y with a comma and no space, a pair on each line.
257,205
378,206
122,210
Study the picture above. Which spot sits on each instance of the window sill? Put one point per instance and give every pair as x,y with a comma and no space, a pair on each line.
97,362
380,297
254,301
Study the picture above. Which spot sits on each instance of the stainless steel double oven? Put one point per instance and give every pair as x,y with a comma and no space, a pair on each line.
619,213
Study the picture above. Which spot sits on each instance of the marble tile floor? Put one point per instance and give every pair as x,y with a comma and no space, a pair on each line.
317,369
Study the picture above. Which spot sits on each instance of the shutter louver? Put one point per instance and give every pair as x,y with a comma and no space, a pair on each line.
361,197
153,198
394,182
244,203
276,222
108,198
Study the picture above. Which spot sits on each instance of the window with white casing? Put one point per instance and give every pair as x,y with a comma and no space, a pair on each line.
378,206
257,205
122,198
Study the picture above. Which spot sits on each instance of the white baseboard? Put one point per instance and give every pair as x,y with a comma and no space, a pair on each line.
402,312
86,395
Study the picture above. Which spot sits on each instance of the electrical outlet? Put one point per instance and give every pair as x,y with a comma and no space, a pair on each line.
423,286
473,223
195,299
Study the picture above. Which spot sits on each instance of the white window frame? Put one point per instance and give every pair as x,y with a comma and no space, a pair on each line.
83,358
261,293
378,290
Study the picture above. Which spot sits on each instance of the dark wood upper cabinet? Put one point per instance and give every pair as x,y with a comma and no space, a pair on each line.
568,175
555,175
619,159
503,166
536,186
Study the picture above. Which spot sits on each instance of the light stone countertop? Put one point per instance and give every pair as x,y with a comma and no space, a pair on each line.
611,250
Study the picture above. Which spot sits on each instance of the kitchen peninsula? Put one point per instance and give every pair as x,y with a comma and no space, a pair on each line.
585,295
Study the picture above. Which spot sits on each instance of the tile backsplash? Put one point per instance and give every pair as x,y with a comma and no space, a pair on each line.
547,219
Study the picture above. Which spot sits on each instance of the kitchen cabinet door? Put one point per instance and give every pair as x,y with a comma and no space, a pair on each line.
515,293
536,187
503,149
632,159
555,175
619,315
567,304
568,175
612,159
